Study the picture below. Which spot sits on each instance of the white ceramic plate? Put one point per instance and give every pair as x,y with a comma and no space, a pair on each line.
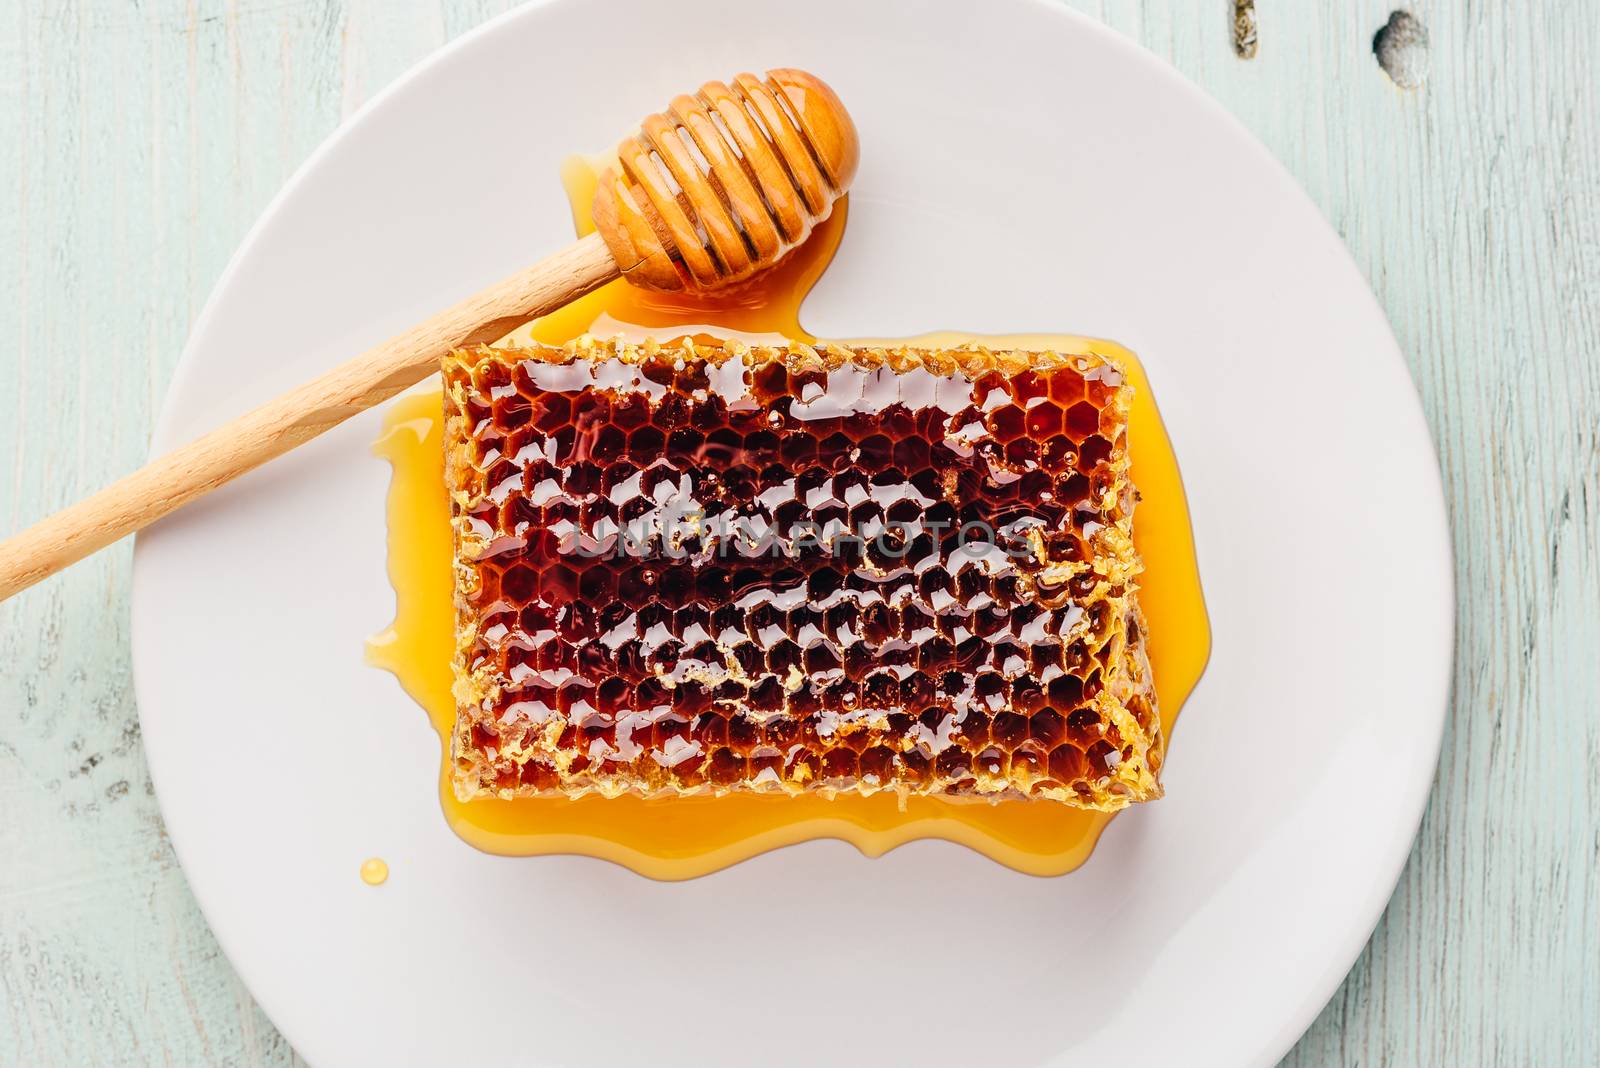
1024,170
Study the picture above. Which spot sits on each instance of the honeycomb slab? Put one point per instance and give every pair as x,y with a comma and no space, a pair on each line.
704,567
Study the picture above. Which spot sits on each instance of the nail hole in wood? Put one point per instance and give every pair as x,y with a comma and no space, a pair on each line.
1402,50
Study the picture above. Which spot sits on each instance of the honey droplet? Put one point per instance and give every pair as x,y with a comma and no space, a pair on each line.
374,872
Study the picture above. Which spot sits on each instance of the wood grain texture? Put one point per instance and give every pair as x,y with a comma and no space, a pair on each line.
144,139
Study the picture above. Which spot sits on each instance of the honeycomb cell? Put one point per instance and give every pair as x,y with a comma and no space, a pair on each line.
1009,729
727,768
597,585
876,765
1082,419
1048,727
1084,727
1064,389
1023,454
693,568
675,586
645,445
954,766
1043,421
974,727
630,411
881,690
914,768
612,695
1095,451
1008,423
839,765
605,446
670,412
551,412
519,583
1029,761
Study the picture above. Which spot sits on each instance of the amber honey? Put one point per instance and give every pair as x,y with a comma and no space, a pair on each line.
686,836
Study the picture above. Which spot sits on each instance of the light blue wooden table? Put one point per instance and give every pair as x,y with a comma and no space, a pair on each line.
139,141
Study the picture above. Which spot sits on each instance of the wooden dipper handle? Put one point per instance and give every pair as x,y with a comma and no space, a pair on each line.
773,156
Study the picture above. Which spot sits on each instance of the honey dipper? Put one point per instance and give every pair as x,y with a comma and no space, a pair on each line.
711,191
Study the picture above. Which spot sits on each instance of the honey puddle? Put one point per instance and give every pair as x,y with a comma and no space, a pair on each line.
679,838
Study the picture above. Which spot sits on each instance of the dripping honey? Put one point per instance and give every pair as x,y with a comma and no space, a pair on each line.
684,837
